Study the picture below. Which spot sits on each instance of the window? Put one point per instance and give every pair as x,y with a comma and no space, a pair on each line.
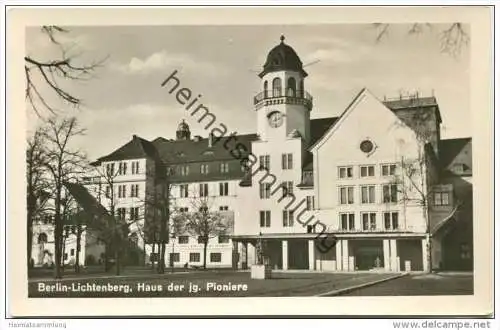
204,168
291,87
65,256
465,251
223,188
287,218
441,198
391,220
134,213
122,191
215,257
121,213
310,229
223,239
134,190
122,168
265,218
201,240
203,189
223,208
174,257
390,193
183,239
276,87
194,257
346,195
108,192
388,169
369,221
310,202
135,167
110,169
347,221
265,190
365,171
203,209
265,88
345,172
184,170
367,194
265,162
183,209
183,190
286,161
224,167
72,252
287,187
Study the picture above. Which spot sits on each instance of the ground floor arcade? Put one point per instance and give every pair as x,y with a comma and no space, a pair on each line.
382,253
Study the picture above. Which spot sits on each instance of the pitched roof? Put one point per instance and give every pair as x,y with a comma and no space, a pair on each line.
449,149
135,148
186,151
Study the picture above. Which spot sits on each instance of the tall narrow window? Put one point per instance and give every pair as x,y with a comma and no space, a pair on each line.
347,221
310,202
265,89
265,190
286,161
223,188
183,190
367,194
369,220
287,187
265,162
287,218
204,168
291,88
391,221
265,218
390,193
224,167
301,88
203,189
276,87
346,195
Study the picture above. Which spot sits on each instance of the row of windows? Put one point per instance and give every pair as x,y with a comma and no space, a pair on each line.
286,162
291,88
205,169
347,172
184,239
347,220
122,168
196,257
203,189
265,189
221,208
121,213
369,221
367,194
122,191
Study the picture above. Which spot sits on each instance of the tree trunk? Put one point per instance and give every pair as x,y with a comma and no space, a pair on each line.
152,257
205,243
58,230
106,257
161,264
78,248
117,260
29,242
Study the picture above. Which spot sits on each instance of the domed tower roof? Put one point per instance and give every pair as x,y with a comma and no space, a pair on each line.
282,57
183,132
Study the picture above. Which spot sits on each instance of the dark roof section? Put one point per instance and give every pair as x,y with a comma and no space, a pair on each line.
282,57
449,149
413,102
136,148
192,151
318,129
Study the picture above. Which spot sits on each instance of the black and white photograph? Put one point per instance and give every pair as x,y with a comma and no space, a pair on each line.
325,160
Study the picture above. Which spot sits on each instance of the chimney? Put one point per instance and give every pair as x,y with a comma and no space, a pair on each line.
210,140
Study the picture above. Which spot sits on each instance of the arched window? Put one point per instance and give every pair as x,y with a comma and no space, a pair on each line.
42,238
301,88
291,88
276,87
265,89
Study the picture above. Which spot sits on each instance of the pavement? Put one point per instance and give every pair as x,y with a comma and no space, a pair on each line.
445,283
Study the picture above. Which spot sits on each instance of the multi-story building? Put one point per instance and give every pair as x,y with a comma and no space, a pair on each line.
365,190
375,188
196,171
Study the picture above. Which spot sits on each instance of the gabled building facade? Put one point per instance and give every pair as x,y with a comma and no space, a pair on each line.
375,188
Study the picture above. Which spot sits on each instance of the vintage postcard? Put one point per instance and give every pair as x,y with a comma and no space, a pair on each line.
296,160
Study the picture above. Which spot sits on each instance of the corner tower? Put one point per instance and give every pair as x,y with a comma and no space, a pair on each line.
283,106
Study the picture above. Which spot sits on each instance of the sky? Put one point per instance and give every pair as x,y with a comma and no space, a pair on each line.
124,96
